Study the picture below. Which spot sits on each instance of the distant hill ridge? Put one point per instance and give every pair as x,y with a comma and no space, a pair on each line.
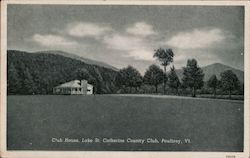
215,69
74,56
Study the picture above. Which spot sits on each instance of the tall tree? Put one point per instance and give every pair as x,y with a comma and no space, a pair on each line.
28,83
36,80
193,76
138,81
229,81
173,80
165,56
213,83
13,81
129,77
153,76
120,79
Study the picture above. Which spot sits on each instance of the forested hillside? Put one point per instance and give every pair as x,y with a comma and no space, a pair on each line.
85,60
38,73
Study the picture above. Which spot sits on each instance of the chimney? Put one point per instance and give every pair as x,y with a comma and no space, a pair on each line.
83,82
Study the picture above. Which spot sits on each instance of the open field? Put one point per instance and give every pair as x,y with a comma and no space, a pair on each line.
210,124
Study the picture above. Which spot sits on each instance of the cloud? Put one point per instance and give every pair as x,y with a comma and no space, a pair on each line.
86,29
141,54
122,42
197,38
203,57
49,40
131,46
141,29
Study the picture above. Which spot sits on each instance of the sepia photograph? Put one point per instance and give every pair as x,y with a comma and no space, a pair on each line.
126,77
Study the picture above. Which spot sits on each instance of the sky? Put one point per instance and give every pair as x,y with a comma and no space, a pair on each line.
122,35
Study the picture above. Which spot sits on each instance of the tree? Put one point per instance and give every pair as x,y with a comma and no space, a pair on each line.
28,83
92,80
229,81
82,74
36,80
13,81
173,80
193,76
213,83
165,56
138,81
153,76
129,77
120,79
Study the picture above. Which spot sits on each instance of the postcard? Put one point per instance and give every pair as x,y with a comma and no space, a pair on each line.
124,78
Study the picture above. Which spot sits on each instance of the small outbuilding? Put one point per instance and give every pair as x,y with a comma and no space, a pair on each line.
80,87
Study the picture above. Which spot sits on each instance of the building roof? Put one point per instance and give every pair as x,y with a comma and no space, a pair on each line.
74,84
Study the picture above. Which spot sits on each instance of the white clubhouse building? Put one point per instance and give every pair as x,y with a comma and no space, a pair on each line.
80,87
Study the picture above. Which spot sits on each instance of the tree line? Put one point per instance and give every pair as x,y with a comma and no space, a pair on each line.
39,73
129,80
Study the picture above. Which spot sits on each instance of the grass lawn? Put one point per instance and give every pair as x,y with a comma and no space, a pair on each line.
233,97
211,125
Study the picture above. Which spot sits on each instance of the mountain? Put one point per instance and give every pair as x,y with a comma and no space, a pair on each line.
85,60
215,69
38,73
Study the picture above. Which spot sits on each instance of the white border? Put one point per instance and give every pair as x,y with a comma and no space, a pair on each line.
108,154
